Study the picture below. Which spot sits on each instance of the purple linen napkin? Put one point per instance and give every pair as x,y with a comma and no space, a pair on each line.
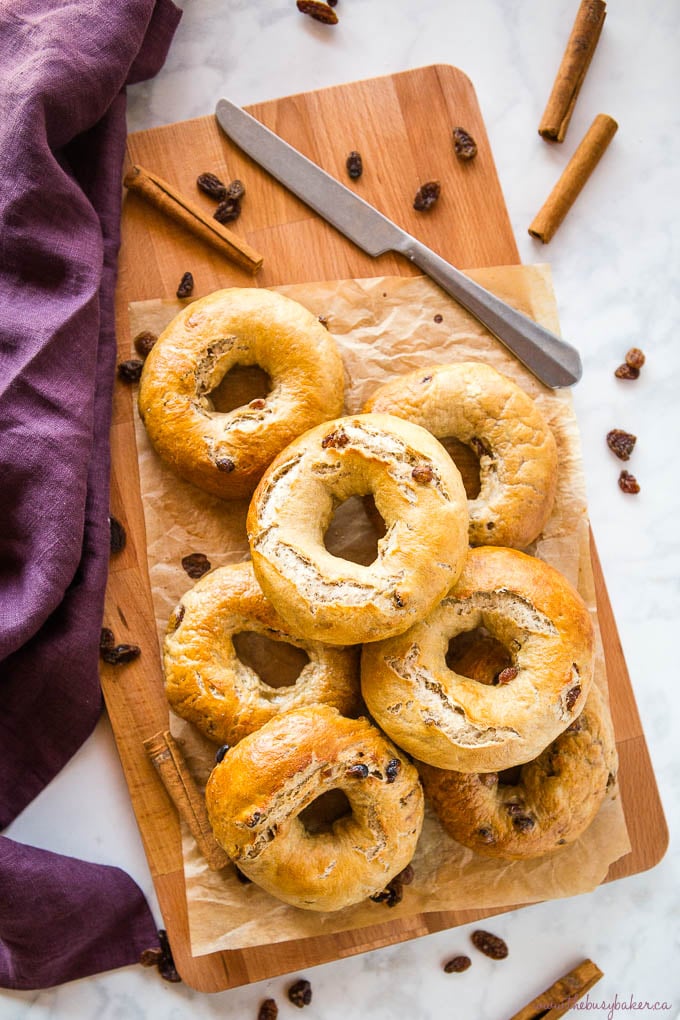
63,71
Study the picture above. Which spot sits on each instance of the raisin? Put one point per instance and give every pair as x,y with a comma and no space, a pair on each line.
212,186
323,319
490,945
358,771
427,195
143,342
506,675
178,617
480,448
117,536
225,464
335,440
464,144
628,483
621,443
317,10
227,211
393,769
151,957
257,404
422,473
523,823
119,654
166,967
392,894
130,371
572,696
107,639
186,286
268,1010
438,318
407,875
236,190
485,835
627,372
635,358
300,993
354,164
196,565
457,964
220,753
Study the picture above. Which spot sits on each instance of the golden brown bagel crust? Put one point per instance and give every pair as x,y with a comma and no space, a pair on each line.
418,492
255,795
456,722
482,408
226,453
550,805
206,682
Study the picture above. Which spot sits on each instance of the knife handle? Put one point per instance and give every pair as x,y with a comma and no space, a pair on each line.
551,359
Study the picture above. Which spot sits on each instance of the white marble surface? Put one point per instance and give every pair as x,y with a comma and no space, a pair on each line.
615,262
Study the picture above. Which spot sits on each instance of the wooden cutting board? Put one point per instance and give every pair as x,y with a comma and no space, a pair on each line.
402,126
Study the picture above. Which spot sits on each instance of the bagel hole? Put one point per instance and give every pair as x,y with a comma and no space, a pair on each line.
277,663
511,776
319,816
354,530
240,385
467,462
477,655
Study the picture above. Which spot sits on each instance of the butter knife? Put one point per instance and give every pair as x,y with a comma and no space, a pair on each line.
552,360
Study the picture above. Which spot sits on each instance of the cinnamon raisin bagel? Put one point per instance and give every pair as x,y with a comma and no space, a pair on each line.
475,404
209,685
225,453
454,721
419,494
256,794
548,805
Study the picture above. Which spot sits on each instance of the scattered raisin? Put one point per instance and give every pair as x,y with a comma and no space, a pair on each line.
117,537
354,164
628,483
120,654
464,144
143,342
635,358
212,186
130,371
186,286
572,696
393,769
268,1010
490,945
166,967
621,443
506,675
407,875
227,211
438,318
358,771
220,753
151,957
236,190
300,993
627,372
457,964
317,10
196,565
427,195
392,894
225,464
107,639
422,474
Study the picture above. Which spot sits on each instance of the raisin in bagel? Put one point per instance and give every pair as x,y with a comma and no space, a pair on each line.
548,805
207,683
225,453
476,405
256,794
456,722
420,496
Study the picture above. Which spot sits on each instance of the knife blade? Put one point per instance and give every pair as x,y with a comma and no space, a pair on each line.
551,359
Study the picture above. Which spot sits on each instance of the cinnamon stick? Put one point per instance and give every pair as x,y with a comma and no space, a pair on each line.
575,174
572,70
166,755
557,1000
163,196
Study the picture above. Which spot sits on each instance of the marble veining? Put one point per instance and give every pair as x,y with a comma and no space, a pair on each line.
615,263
